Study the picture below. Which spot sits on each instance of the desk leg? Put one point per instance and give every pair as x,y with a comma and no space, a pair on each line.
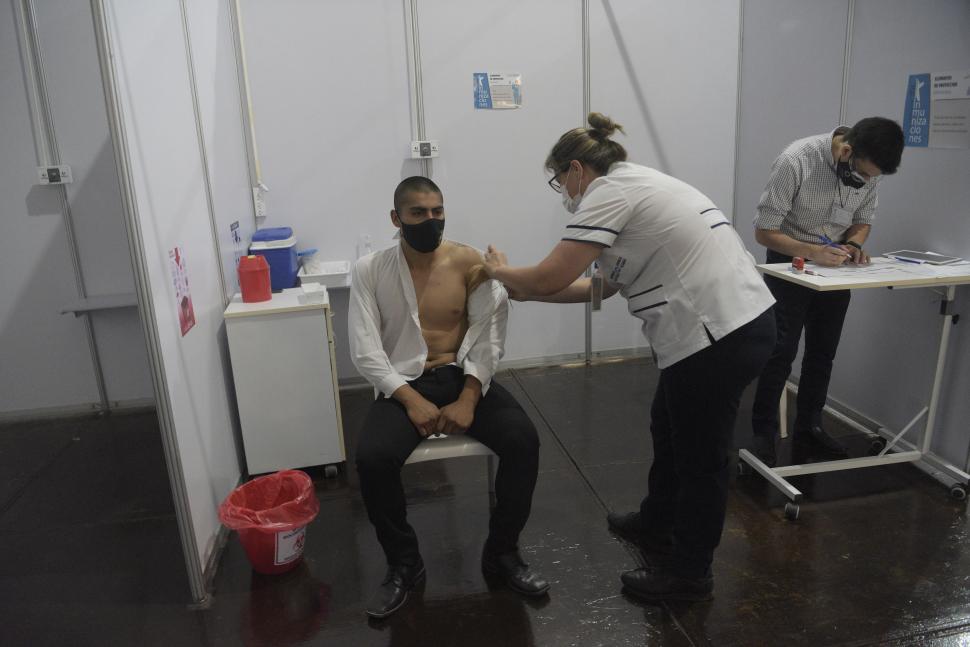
947,313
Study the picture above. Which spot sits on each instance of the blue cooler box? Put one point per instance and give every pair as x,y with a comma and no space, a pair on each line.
278,246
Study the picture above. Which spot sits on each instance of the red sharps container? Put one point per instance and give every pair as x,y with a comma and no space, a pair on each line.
254,280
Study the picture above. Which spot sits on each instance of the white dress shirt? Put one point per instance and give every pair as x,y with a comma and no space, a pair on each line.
386,344
681,266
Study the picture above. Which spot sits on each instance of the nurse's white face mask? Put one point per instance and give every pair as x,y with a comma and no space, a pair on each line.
570,203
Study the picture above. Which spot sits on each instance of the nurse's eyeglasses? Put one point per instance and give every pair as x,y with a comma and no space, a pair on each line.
554,182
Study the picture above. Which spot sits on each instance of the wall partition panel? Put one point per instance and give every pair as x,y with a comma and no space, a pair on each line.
491,164
668,73
65,34
53,363
157,139
220,103
330,104
792,56
923,206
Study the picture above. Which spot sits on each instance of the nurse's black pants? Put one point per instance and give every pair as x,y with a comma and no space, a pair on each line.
821,315
692,423
388,437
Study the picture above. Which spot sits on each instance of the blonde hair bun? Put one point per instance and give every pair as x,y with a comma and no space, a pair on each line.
602,126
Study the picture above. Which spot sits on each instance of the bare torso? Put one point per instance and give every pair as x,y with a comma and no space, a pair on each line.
442,291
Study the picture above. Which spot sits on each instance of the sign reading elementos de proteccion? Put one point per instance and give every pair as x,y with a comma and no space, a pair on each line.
497,91
937,113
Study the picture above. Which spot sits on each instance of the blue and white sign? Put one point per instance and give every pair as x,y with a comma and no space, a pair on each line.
937,113
497,91
916,125
483,96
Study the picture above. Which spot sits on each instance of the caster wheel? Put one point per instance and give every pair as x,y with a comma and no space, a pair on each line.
876,445
958,492
743,468
330,471
791,511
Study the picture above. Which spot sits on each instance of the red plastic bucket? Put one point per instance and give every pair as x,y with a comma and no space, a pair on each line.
271,514
273,552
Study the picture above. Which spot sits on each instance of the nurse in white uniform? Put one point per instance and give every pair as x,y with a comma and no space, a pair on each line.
707,316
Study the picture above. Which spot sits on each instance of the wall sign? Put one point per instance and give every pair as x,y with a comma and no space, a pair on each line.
497,91
937,112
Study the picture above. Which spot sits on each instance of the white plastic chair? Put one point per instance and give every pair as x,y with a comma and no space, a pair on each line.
439,446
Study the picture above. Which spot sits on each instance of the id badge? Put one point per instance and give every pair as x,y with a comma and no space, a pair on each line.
840,216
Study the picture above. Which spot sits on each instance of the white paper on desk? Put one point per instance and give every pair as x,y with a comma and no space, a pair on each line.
880,269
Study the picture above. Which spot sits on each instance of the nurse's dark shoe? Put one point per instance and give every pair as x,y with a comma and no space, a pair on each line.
655,584
393,591
510,568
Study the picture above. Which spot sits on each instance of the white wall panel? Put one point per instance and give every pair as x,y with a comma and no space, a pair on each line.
668,73
149,55
791,87
491,164
66,38
220,104
44,358
923,206
330,98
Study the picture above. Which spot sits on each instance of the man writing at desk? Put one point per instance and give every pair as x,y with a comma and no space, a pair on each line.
427,329
819,203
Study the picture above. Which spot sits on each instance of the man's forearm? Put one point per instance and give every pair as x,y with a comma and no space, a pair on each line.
406,395
858,234
785,244
472,391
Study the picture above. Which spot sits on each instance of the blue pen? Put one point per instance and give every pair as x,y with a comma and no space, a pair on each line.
828,242
906,260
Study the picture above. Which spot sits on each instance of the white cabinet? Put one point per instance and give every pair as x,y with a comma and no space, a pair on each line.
286,382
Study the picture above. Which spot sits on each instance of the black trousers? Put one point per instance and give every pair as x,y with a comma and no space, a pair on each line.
821,315
388,437
692,423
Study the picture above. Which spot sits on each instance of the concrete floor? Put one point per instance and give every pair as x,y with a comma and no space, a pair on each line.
90,555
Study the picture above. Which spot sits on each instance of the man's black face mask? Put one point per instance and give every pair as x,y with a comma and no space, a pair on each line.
424,237
848,176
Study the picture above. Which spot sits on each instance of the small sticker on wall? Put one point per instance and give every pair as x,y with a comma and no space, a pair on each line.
183,299
497,91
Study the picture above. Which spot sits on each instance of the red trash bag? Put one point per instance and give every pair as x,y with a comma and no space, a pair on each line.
271,514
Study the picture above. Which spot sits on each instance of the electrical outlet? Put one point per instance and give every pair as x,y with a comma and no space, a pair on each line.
60,174
424,149
259,203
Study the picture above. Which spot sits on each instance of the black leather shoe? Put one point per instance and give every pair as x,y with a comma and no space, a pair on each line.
628,526
393,591
763,447
817,436
516,574
657,585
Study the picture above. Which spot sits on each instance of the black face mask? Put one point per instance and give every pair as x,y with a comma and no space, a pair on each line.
424,237
848,176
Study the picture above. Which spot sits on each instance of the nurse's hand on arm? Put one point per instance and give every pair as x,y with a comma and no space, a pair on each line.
556,278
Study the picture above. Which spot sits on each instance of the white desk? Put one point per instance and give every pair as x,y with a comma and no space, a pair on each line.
883,272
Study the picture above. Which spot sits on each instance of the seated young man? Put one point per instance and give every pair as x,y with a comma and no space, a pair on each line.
427,329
